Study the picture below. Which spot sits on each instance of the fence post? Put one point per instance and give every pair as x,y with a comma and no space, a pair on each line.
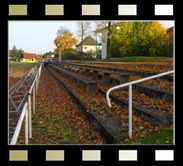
130,110
36,84
34,99
30,116
26,127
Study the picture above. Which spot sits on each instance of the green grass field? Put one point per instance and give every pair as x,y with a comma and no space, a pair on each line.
165,136
138,59
21,64
133,59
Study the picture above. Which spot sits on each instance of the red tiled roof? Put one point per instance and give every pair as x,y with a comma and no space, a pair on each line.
29,55
38,56
48,56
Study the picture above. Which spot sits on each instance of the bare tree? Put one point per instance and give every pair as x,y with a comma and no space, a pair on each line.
84,29
61,31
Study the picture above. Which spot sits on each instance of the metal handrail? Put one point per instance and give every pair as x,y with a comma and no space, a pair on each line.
19,125
130,93
33,87
26,112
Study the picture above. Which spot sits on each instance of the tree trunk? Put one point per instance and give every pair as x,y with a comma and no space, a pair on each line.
108,41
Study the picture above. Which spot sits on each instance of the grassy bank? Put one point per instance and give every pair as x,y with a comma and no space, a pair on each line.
131,59
139,59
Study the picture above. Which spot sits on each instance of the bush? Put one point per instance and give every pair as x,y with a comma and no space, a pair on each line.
40,58
89,55
71,54
167,48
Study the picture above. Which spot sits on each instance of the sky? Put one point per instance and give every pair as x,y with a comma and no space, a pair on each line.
38,36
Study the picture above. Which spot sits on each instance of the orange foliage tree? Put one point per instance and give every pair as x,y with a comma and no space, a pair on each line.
64,40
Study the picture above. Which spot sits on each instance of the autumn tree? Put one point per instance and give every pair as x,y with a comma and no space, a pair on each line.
124,36
140,39
152,38
64,40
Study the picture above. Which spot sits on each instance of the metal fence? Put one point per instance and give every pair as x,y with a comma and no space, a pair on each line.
24,115
26,111
130,94
18,93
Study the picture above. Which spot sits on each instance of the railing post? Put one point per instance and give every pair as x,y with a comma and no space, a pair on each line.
30,116
36,84
34,99
26,127
130,111
130,94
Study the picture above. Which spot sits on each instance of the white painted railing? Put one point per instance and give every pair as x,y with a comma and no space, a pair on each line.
19,125
33,87
26,112
130,93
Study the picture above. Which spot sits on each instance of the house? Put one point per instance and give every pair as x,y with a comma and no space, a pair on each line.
29,57
38,56
104,34
89,45
9,53
170,32
48,56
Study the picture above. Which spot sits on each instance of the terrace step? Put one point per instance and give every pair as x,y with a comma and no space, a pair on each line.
110,130
146,89
140,73
91,85
153,116
149,90
156,93
106,77
153,65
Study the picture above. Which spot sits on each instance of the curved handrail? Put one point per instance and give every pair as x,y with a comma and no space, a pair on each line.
130,94
135,82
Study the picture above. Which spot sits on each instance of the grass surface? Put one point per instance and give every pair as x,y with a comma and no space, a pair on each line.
165,136
21,64
16,69
132,59
138,59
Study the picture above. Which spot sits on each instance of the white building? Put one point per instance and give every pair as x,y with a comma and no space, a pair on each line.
104,36
89,45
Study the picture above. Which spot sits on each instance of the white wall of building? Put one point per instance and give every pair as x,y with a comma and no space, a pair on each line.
78,49
104,44
87,48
